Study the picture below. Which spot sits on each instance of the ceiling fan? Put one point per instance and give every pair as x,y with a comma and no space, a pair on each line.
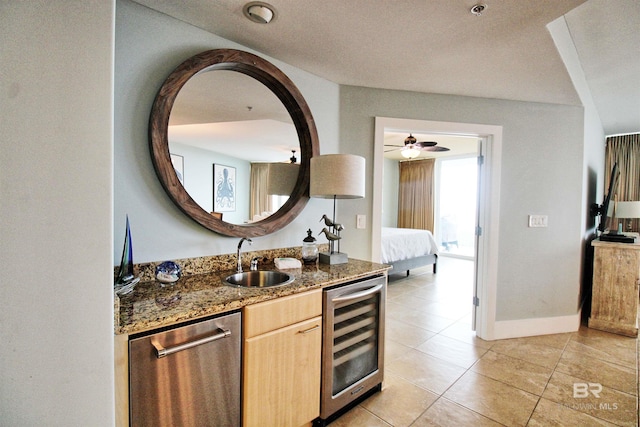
412,147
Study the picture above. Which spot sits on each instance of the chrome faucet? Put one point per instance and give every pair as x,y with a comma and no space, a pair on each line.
239,270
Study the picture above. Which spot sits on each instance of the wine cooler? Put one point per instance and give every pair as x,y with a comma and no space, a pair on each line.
353,343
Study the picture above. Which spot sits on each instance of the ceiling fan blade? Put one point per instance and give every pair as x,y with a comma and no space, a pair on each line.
435,149
391,145
423,144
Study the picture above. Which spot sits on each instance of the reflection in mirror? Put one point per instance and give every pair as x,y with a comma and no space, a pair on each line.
234,139
172,177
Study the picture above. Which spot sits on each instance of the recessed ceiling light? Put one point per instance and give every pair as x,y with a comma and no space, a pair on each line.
259,12
478,9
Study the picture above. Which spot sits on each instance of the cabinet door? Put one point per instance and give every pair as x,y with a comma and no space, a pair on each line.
282,376
614,303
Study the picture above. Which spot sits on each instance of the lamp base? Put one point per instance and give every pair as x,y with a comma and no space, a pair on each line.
333,258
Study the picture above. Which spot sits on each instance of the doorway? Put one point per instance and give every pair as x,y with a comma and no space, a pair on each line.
488,204
456,202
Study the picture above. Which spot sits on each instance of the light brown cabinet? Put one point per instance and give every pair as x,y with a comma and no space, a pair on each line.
281,361
616,275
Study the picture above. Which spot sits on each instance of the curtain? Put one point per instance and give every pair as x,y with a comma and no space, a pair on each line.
415,194
260,200
625,150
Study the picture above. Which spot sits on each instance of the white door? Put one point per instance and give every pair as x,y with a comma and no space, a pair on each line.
482,146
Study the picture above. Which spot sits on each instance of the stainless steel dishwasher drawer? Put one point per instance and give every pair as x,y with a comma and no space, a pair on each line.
187,376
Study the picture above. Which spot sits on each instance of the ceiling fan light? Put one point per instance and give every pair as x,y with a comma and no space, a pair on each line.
410,152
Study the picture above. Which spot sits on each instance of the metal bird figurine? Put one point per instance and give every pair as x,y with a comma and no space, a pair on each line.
330,236
327,221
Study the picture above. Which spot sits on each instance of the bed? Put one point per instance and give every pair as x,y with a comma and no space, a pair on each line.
406,248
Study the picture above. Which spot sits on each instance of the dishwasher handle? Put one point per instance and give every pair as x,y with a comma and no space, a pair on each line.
347,297
162,352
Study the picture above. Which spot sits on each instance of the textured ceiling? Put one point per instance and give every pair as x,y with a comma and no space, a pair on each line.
606,36
438,46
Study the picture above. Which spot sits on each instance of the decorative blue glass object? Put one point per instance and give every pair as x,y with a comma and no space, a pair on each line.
126,279
168,272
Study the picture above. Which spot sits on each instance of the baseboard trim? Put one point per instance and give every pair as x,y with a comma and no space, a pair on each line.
543,326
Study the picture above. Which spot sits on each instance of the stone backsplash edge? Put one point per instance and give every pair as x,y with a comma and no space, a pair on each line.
207,264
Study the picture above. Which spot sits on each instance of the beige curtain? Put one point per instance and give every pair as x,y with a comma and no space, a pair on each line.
415,194
259,200
625,150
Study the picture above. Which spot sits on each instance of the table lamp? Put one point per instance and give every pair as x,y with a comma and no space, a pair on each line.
628,210
336,176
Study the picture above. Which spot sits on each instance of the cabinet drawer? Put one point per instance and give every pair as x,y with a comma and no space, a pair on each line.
277,313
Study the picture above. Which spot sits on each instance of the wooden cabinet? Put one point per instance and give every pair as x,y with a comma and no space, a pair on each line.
614,300
281,361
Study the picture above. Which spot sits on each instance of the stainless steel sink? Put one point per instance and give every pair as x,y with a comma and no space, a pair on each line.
259,279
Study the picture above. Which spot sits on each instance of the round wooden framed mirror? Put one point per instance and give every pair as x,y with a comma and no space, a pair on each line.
257,70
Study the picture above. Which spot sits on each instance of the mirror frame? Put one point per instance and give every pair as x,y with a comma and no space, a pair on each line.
274,79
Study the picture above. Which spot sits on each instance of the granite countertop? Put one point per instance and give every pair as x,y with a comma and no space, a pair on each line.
152,305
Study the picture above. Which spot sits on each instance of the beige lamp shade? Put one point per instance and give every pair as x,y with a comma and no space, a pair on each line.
628,210
337,175
281,178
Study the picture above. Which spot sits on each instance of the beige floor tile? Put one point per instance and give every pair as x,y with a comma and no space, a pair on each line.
357,417
549,413
500,402
421,319
393,350
594,370
606,346
445,413
425,371
406,334
610,405
514,372
451,350
461,331
519,348
411,301
558,341
431,293
394,290
393,309
400,402
447,309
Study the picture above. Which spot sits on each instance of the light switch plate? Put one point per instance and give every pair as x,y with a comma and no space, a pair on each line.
538,220
361,221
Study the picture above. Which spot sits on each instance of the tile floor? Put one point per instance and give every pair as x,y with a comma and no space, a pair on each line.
438,373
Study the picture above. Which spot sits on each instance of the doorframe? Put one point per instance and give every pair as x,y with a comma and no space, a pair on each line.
488,212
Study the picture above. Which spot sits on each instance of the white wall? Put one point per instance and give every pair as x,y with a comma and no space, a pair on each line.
56,321
541,173
149,45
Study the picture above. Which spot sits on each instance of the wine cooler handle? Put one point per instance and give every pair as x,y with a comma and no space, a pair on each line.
162,352
358,294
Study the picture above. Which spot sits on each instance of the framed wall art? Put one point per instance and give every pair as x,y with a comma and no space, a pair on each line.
178,165
224,188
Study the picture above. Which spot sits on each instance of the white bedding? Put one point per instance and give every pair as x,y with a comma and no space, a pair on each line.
403,243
